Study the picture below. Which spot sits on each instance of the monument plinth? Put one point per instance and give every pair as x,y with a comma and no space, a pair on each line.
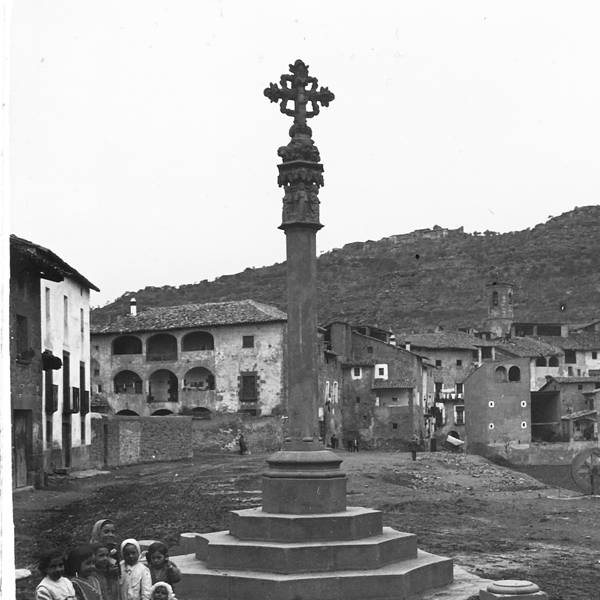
305,543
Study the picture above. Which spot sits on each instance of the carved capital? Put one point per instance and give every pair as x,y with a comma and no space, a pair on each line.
301,205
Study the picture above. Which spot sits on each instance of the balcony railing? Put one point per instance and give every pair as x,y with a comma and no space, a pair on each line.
157,356
171,397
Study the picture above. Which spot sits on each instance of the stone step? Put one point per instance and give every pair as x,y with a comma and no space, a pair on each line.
352,524
399,581
221,550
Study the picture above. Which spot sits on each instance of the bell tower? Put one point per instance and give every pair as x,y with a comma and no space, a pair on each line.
500,308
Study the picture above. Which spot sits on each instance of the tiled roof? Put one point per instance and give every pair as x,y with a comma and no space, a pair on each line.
47,261
575,379
443,339
584,340
528,346
580,414
193,315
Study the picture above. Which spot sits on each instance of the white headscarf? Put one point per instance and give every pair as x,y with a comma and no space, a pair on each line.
171,594
133,543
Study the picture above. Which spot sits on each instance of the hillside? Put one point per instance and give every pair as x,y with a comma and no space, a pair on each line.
418,280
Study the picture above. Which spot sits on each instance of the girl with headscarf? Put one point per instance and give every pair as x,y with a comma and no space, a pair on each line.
135,576
108,570
161,590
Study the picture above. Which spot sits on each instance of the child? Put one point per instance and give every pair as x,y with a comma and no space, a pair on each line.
80,568
162,591
54,586
135,577
106,572
161,568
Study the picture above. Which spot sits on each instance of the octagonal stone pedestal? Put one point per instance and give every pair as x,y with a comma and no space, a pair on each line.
517,589
306,544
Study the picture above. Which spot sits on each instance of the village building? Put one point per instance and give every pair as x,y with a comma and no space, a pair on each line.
386,390
194,359
498,405
564,409
50,363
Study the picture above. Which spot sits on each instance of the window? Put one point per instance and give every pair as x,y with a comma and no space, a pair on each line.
438,387
459,388
495,299
594,354
248,391
500,375
570,371
540,361
248,341
570,357
47,305
580,386
66,382
438,362
459,415
381,371
335,392
394,425
356,372
99,388
458,362
514,374
327,394
66,316
553,362
357,399
96,372
81,324
22,338
370,349
486,352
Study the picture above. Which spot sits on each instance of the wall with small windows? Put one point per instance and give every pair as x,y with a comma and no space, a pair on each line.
497,407
65,331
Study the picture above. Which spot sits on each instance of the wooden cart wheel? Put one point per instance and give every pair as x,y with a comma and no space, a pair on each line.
585,471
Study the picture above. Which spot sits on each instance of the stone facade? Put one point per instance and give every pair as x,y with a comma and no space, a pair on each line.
497,405
385,390
50,364
196,370
123,440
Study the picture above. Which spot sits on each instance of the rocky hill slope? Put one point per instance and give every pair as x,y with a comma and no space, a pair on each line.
418,280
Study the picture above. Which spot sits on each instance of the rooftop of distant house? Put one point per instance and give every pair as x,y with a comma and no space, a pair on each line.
528,347
210,314
443,339
50,265
567,380
582,340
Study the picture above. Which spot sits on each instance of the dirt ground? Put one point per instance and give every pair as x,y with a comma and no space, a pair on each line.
496,522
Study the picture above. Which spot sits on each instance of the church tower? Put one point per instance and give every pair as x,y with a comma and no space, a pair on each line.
500,310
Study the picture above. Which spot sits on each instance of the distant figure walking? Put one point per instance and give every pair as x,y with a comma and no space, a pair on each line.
413,446
242,444
355,444
334,442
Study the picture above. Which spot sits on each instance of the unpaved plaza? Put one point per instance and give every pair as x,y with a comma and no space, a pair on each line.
496,522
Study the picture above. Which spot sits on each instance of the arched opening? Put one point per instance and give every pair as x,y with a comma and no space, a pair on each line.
454,434
127,344
163,386
200,412
161,346
197,340
514,374
199,378
495,298
540,361
553,362
162,412
127,382
127,413
500,375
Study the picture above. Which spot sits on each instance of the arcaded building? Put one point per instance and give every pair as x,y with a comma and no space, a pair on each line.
194,359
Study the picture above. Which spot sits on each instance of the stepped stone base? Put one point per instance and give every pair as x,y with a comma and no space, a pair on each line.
398,581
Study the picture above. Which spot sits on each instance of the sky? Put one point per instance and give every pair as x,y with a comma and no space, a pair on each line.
144,152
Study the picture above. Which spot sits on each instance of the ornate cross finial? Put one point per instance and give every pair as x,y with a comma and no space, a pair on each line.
294,89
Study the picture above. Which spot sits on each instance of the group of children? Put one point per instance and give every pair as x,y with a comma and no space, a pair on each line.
94,572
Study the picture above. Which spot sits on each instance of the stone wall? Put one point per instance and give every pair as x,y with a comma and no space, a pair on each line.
220,434
121,440
560,453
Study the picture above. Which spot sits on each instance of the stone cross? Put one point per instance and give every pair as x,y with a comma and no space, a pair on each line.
294,89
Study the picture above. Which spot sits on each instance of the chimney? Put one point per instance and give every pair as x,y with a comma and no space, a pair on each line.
133,307
407,346
392,339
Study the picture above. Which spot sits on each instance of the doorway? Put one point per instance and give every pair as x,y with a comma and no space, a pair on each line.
21,446
66,441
